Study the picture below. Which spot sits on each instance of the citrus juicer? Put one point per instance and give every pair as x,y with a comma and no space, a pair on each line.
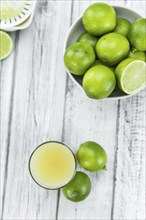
16,15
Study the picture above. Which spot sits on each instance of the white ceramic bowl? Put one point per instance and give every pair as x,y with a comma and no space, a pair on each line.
77,29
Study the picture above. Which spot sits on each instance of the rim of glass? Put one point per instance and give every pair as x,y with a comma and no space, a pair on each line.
59,142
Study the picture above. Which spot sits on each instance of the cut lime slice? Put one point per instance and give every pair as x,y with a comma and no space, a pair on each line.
131,75
6,45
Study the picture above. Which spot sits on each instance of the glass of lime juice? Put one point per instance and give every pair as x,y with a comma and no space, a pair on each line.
52,165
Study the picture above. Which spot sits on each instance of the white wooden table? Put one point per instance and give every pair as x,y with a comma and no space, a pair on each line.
40,102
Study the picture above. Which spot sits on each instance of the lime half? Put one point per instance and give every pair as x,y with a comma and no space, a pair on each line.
131,75
6,45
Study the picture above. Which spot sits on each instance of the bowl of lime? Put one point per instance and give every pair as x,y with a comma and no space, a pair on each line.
104,52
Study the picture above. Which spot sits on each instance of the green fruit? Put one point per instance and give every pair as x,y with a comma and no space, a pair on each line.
99,18
131,75
6,45
98,62
79,57
122,26
88,38
137,34
79,188
99,82
112,48
91,156
140,55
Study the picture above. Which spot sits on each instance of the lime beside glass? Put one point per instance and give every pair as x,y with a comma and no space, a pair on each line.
79,187
52,165
91,156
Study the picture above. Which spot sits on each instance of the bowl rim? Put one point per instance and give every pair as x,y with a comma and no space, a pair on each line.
71,76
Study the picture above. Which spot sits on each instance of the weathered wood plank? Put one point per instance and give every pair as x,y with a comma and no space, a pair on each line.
6,97
130,173
38,108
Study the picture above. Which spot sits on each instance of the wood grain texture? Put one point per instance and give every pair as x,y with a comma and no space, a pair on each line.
40,102
6,97
129,200
39,80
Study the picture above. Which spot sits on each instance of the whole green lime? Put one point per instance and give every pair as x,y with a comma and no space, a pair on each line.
79,57
92,156
88,38
122,26
112,48
99,18
99,82
140,55
137,34
79,187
